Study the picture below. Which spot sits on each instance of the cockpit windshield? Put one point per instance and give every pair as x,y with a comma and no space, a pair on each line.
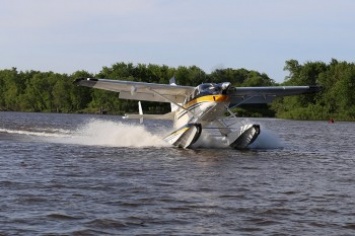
210,89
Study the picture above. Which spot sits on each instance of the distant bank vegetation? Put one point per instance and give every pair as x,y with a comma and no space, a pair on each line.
35,91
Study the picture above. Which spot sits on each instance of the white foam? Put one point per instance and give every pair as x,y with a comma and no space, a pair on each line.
267,140
39,133
118,134
108,133
207,140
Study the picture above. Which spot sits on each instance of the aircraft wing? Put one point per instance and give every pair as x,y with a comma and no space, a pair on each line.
255,95
140,90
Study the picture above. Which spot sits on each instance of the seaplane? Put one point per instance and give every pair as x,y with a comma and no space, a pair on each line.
194,109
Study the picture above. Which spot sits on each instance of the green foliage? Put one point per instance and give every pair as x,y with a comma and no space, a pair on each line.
240,77
254,110
36,91
337,99
52,92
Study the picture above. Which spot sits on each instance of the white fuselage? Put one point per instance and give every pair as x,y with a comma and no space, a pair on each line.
202,110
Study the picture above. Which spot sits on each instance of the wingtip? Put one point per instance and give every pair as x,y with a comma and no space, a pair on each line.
315,88
78,80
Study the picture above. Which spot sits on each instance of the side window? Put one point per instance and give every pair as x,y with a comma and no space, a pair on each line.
196,92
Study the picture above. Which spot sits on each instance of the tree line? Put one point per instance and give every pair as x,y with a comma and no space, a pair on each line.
36,91
337,99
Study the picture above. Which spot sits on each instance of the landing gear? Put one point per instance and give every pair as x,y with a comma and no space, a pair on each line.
185,136
246,136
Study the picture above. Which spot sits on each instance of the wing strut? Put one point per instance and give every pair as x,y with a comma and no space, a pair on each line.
177,104
244,101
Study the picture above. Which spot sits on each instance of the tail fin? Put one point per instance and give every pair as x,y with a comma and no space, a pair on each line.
140,110
172,82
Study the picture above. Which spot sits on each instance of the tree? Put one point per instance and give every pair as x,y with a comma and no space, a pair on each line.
53,92
80,96
10,89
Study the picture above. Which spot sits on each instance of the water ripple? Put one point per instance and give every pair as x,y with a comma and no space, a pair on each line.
54,185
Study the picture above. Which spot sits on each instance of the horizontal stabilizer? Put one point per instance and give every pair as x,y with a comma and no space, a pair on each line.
247,135
166,116
185,136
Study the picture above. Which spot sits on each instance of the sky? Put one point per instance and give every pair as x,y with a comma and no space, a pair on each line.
65,36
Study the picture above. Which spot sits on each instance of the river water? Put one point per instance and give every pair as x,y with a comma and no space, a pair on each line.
66,174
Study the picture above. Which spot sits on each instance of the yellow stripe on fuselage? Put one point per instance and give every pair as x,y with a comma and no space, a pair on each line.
207,98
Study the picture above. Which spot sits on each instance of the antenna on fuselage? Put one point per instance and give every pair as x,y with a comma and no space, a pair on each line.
172,82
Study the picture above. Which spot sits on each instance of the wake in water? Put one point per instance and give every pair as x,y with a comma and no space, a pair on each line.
265,140
113,134
95,132
117,134
36,132
108,133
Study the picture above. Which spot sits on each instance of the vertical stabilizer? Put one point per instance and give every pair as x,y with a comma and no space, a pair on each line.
172,81
140,110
